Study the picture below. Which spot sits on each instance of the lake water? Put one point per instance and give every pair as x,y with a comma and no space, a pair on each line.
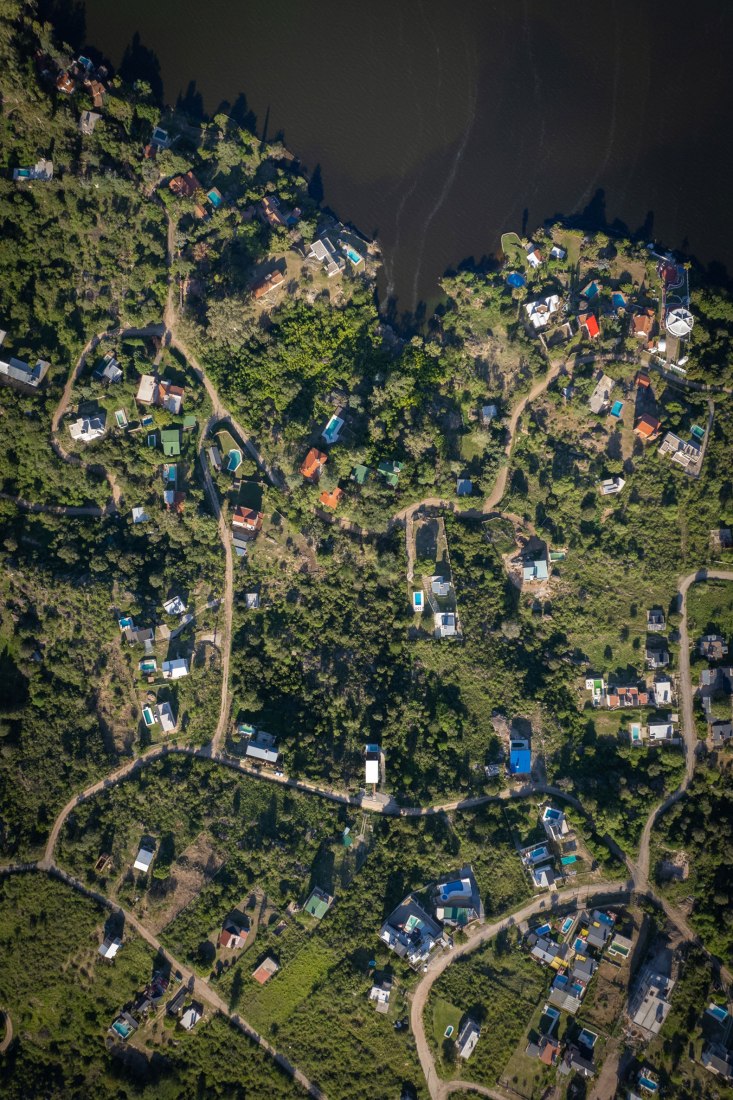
437,126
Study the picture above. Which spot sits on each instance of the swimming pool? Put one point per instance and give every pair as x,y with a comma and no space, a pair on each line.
451,888
333,429
417,601
635,734
538,854
619,302
698,432
354,256
718,1012
617,408
567,924
148,716
552,814
214,198
121,1028
515,279
566,860
648,1084
580,945
125,621
448,1031
234,461
543,929
590,291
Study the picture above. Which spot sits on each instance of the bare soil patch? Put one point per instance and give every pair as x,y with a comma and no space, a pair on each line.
193,869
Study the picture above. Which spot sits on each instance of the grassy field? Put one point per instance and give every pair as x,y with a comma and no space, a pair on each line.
710,609
445,1015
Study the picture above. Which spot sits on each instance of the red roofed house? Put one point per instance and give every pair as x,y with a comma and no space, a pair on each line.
267,285
313,463
247,519
66,84
642,325
187,185
626,697
591,326
265,970
233,936
331,500
270,208
643,379
647,427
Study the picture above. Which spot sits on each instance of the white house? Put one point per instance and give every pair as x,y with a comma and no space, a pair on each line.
661,730
147,390
540,312
191,1016
139,515
662,691
468,1036
143,860
323,250
87,429
109,948
445,625
372,754
558,253
164,714
612,485
174,606
534,257
174,670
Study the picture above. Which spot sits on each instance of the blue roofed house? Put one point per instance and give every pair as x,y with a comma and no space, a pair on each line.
520,757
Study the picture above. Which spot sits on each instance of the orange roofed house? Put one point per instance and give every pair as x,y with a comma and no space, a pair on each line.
642,325
267,285
331,500
313,463
265,970
247,520
591,326
186,186
647,428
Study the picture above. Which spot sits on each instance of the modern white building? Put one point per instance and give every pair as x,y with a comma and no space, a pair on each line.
143,860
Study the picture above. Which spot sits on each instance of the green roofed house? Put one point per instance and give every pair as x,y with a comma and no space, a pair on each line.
170,441
391,472
189,422
318,903
360,474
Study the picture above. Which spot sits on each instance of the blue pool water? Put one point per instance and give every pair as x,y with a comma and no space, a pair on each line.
718,1012
580,945
552,814
515,279
566,860
616,408
417,599
125,622
450,888
698,432
646,1083
215,199
543,929
121,1029
332,429
353,256
619,302
567,924
590,291
234,461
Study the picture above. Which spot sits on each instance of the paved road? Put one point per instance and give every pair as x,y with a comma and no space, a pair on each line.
580,897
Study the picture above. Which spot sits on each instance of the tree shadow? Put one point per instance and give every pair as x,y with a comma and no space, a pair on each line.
141,63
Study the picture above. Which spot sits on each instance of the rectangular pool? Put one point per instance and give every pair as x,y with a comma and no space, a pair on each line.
567,860
617,408
567,924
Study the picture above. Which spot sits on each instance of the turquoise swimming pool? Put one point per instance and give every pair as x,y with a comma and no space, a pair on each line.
617,408
354,256
234,461
121,1028
566,860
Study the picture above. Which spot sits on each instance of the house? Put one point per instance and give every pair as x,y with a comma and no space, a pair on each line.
488,413
109,947
543,877
642,324
147,390
262,747
464,487
268,284
712,646
457,900
629,696
170,441
15,370
390,471
589,322
192,1015
252,600
174,606
534,257
546,951
656,656
108,369
265,970
233,935
558,253
323,251
540,312
444,623
360,474
318,903
520,757
441,587
65,83
554,823
312,464
546,1049
174,670
684,452
720,731
566,995
170,397
331,499
86,430
655,620
574,1061
185,186
143,859
173,500
468,1036
597,688
42,170
649,1006
612,485
372,762
410,932
620,947
661,730
271,211
661,692
601,396
247,521
88,121
214,456
647,428
535,570
600,927
139,515
716,1059
97,91
380,994
164,715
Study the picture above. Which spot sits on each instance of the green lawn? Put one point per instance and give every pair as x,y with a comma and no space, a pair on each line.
445,1015
710,609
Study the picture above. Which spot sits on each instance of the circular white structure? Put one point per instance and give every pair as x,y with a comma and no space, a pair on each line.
680,322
